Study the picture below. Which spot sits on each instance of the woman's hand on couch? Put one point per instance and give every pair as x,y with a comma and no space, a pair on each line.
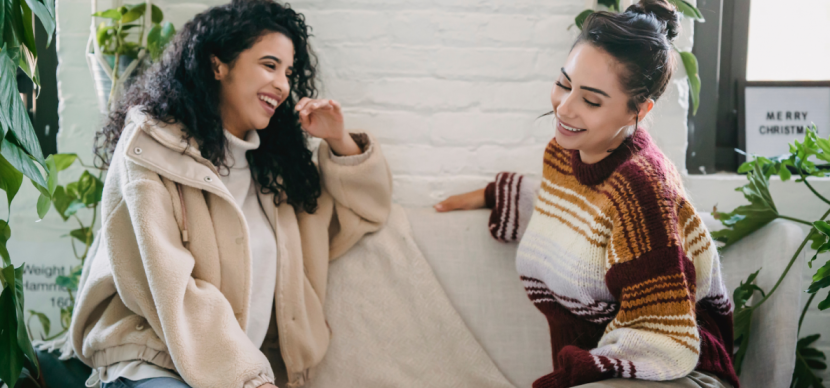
467,201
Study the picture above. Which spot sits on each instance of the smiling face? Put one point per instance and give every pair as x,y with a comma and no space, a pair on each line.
590,106
255,84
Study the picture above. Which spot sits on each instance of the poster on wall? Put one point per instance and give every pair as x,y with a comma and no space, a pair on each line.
775,116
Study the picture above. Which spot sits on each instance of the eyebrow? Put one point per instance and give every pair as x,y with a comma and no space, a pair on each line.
272,57
588,88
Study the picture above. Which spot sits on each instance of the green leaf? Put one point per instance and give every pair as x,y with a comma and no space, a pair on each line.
66,316
3,20
12,354
748,218
817,238
61,200
742,317
24,27
43,203
45,12
168,31
68,282
51,175
22,162
74,207
157,15
63,161
691,65
822,227
134,13
580,19
44,321
825,304
87,188
83,235
14,281
807,360
109,14
10,179
784,173
14,113
611,4
153,38
5,234
821,278
688,10
746,167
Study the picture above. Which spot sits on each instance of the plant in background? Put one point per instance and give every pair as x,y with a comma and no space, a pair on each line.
20,155
118,52
115,39
761,210
689,59
84,193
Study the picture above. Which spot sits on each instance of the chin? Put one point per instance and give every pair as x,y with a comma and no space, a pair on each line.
566,143
262,124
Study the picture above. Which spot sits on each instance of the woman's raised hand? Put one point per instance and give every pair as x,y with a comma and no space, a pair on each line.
321,118
324,119
467,201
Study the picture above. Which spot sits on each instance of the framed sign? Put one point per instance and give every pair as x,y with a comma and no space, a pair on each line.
778,113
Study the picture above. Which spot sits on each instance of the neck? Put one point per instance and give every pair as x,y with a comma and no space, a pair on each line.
595,156
231,122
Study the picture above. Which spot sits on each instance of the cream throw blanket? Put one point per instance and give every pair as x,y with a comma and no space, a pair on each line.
392,323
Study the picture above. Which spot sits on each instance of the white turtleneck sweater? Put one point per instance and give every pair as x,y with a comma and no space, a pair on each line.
263,244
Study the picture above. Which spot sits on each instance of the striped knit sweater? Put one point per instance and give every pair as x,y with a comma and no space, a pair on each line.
620,264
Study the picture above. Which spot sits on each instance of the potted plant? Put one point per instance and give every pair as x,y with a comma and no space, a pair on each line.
798,165
124,53
20,155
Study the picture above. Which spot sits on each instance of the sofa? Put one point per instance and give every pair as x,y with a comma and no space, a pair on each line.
463,289
479,277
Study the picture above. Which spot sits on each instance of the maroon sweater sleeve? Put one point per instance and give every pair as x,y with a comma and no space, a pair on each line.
511,196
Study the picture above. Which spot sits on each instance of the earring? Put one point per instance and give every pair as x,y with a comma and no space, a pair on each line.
636,126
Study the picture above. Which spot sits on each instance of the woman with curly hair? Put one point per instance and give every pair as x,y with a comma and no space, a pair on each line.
210,268
611,251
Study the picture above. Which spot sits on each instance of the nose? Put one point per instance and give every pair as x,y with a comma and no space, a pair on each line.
566,107
281,83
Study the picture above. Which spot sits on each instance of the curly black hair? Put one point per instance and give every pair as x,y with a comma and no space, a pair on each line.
181,88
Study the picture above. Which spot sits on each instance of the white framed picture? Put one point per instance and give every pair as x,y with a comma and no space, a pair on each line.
776,114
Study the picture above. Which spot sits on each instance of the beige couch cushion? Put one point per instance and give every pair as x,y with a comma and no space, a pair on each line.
479,276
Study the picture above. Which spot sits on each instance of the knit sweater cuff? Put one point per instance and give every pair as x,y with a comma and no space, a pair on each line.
575,366
490,195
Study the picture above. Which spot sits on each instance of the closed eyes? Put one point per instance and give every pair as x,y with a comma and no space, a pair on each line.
593,104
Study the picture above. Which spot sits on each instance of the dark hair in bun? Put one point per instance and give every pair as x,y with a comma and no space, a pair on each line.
640,39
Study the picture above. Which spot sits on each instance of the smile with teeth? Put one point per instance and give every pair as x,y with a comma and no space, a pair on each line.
269,100
572,129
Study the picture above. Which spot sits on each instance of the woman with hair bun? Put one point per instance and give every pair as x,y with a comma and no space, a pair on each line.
610,249
210,268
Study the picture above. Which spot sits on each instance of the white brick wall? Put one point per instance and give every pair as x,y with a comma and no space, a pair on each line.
451,89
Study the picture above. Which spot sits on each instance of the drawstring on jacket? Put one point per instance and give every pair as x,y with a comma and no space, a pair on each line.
184,213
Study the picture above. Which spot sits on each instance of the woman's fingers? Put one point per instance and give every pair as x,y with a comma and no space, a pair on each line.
302,103
466,201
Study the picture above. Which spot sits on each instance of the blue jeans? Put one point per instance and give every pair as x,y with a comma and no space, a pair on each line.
156,382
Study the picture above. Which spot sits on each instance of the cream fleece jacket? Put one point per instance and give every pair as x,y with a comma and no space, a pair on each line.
147,295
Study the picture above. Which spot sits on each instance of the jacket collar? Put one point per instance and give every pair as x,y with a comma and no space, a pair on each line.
162,148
